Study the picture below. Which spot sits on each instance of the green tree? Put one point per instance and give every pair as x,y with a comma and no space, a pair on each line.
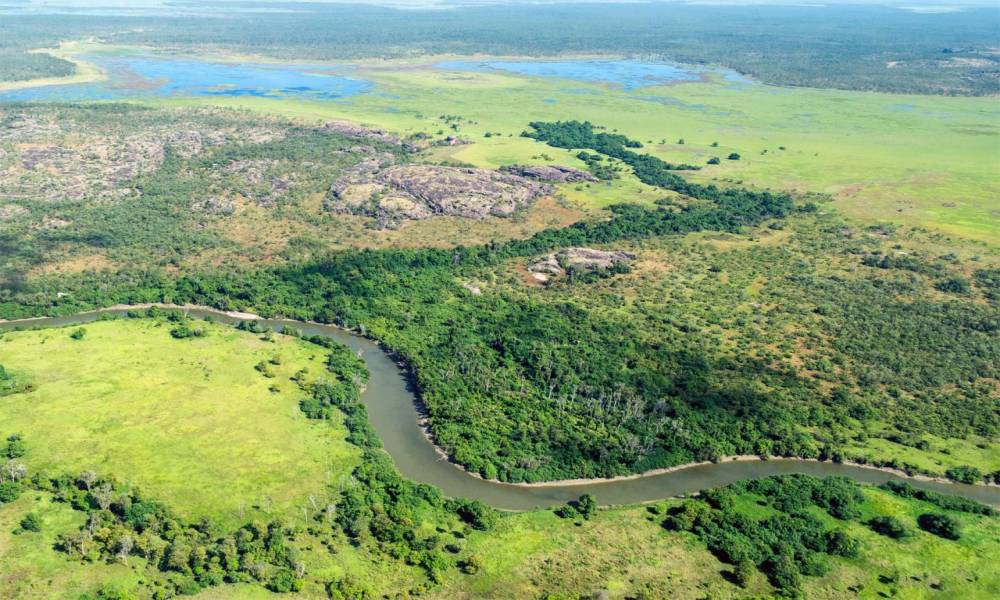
889,526
744,572
16,447
941,525
586,506
964,474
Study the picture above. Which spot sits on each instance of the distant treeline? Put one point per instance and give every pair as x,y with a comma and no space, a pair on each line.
896,50
19,35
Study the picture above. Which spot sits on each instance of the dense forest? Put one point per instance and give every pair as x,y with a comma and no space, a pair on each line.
896,51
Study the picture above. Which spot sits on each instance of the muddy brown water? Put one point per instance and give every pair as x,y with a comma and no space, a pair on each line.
393,413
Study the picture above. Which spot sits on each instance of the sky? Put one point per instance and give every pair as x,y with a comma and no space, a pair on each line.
181,8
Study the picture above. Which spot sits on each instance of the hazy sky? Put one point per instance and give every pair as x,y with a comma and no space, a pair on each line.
171,7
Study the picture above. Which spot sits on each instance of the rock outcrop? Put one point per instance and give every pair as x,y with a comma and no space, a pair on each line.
550,173
559,263
400,193
360,132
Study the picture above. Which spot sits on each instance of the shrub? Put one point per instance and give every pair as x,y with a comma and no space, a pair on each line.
31,522
184,331
264,369
954,285
743,573
283,582
435,564
783,573
838,543
964,474
586,506
940,525
714,160
475,513
9,491
349,589
472,565
889,526
733,156
109,592
945,501
15,447
78,334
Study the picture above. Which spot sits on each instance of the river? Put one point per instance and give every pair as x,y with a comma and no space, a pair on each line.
393,413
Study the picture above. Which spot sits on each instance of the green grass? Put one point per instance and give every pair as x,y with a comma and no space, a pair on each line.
944,453
918,160
191,422
959,569
624,551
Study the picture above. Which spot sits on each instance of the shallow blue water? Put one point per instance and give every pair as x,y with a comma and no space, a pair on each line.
132,77
625,74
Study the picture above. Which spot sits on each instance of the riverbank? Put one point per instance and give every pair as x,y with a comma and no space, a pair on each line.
667,470
394,411
744,458
245,316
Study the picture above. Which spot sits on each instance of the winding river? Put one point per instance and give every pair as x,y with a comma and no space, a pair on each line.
393,414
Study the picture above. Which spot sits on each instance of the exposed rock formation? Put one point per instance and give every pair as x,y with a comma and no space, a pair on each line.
360,132
408,192
216,206
553,173
559,263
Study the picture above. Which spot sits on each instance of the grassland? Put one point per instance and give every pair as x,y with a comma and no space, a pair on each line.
918,160
189,421
626,553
